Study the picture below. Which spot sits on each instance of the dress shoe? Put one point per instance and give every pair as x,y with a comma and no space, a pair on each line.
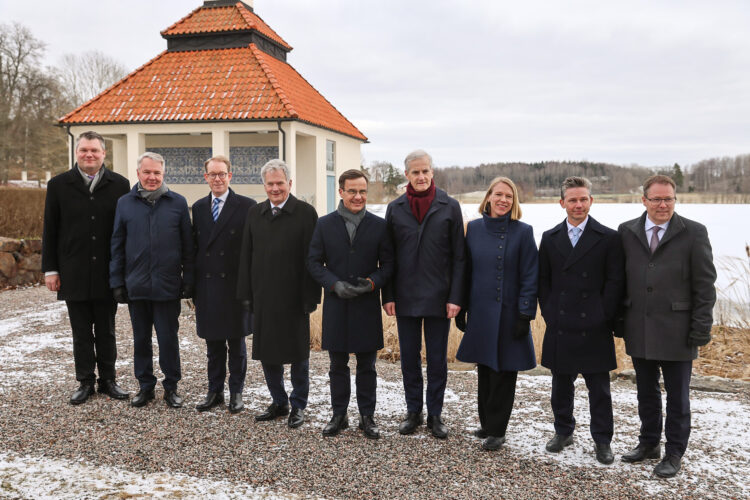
557,443
212,399
641,453
436,425
173,400
668,467
410,423
111,389
273,411
83,392
367,425
480,433
338,423
604,453
296,418
493,443
143,397
235,402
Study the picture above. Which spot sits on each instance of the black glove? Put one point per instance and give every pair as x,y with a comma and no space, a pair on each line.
309,308
344,290
120,294
247,306
186,292
618,329
522,326
461,320
363,286
697,339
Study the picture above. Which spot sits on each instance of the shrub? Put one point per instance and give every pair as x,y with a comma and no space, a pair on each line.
21,212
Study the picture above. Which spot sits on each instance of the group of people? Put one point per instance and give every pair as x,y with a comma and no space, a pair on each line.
259,267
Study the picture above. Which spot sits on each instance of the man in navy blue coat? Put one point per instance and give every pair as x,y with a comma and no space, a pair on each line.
581,282
221,320
426,226
351,256
151,270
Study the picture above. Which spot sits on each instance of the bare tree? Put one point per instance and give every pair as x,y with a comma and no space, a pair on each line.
83,76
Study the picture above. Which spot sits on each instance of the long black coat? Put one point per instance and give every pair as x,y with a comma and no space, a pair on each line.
274,277
670,293
430,257
77,232
351,325
580,289
218,313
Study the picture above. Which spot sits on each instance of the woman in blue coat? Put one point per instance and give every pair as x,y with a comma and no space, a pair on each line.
502,262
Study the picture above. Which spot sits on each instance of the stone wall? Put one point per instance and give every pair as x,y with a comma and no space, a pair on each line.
20,262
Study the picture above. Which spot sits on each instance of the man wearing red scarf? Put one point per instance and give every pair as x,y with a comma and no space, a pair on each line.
428,235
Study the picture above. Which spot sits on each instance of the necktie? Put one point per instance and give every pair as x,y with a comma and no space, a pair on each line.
576,233
215,208
275,211
654,238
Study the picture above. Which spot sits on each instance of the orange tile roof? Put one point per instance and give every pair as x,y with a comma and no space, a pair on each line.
222,19
212,85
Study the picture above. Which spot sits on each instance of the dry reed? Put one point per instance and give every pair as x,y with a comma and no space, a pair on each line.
21,212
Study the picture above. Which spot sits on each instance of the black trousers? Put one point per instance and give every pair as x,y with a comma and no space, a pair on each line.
496,392
677,384
94,344
366,380
600,404
162,316
220,353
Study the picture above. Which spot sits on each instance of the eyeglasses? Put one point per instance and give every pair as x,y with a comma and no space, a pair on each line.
354,192
659,201
220,175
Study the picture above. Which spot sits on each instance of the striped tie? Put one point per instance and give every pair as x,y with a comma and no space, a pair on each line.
576,233
215,209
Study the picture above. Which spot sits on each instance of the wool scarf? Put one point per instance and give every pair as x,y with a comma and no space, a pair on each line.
420,201
351,220
152,196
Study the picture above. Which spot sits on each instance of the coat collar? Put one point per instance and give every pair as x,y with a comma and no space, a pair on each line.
74,178
441,199
361,229
638,227
592,234
289,206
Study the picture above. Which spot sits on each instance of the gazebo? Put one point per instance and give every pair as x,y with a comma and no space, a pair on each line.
223,86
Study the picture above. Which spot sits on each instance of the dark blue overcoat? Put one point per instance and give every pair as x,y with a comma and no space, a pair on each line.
502,265
351,325
580,289
218,313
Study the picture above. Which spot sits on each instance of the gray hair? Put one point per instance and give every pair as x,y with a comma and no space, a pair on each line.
275,164
153,156
91,135
574,182
415,155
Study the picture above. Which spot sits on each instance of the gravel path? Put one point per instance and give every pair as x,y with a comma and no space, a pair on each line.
106,449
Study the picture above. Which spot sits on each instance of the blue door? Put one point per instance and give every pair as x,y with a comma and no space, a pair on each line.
331,189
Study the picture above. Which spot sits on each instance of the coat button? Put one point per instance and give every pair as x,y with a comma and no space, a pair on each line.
93,258
585,295
499,277
562,313
583,334
563,292
585,274
498,299
526,302
221,253
93,238
499,268
500,247
502,236
498,289
649,289
583,315
208,254
559,332
208,275
93,217
231,231
223,275
650,264
91,198
499,257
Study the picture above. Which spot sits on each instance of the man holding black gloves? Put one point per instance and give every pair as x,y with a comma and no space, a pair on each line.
151,270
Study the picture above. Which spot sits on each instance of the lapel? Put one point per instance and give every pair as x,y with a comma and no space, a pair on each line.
76,181
638,227
676,226
104,180
226,213
441,198
291,203
362,228
562,241
591,235
340,224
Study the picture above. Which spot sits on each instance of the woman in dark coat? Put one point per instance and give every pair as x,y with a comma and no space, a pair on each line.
502,261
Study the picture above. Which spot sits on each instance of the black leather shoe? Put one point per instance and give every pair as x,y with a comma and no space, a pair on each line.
212,399
111,389
493,443
338,423
143,397
480,433
668,467
410,423
235,402
367,425
557,443
173,399
642,452
83,392
604,453
273,411
296,418
436,425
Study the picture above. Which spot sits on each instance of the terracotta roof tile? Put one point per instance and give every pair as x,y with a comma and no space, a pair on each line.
212,85
222,19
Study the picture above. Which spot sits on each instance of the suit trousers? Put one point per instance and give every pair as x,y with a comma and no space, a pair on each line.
163,316
366,380
216,352
677,384
495,395
94,343
436,344
300,375
600,404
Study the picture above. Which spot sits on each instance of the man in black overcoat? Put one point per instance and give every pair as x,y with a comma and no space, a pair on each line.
78,215
218,221
581,281
351,256
276,286
668,314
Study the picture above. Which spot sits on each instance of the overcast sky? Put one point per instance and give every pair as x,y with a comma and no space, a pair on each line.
634,81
